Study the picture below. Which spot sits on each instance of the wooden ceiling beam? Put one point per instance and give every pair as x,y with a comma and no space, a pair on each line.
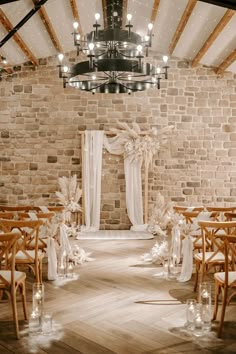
75,12
155,10
104,6
227,62
181,26
210,40
17,38
47,23
124,13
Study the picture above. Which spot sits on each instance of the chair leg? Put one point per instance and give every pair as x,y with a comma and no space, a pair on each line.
23,294
224,301
196,276
217,294
14,310
41,271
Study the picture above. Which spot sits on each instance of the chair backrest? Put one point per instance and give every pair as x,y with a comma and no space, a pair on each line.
230,216
218,213
16,208
181,209
212,232
29,230
36,215
8,215
7,253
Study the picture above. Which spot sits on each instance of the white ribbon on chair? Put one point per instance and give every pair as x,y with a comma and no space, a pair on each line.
187,264
64,241
52,259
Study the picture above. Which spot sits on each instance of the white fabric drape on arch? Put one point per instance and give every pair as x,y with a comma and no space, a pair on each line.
133,182
92,180
92,156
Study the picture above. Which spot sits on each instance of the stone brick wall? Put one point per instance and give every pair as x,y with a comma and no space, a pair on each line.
40,137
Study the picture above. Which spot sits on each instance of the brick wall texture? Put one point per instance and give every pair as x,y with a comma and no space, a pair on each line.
40,137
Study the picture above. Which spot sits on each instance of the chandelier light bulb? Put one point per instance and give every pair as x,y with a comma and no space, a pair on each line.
165,58
78,37
150,26
93,77
65,69
129,17
60,57
91,46
129,77
139,48
97,16
4,61
147,38
158,70
75,25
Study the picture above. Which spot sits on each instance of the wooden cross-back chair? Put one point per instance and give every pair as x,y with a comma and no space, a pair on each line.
192,217
225,282
212,253
25,255
47,219
10,279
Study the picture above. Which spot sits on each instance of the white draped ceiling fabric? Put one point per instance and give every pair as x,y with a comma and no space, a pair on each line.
92,164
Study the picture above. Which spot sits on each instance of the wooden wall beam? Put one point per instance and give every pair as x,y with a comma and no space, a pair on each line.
17,38
181,26
210,40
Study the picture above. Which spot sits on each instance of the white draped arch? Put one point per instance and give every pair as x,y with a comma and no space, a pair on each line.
92,145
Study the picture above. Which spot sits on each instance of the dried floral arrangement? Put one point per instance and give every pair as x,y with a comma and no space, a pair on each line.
139,145
70,193
163,218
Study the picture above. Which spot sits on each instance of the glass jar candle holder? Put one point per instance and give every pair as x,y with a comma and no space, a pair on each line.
70,270
38,298
190,314
198,322
205,302
34,323
47,325
62,264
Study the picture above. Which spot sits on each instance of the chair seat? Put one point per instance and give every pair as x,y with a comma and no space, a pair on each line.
21,256
220,276
219,257
6,275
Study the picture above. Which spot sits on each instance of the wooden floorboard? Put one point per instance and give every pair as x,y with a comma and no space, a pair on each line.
115,306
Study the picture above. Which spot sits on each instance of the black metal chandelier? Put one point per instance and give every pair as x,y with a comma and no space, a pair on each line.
115,60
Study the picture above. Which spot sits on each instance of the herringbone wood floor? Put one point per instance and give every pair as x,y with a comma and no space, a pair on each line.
115,306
